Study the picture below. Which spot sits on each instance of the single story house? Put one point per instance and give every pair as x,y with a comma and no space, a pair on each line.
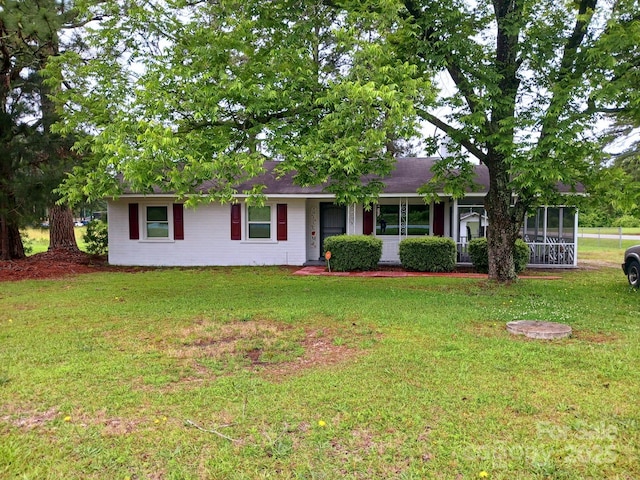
156,230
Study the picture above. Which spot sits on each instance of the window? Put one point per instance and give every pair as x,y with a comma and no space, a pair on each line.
259,221
157,222
388,220
418,220
472,222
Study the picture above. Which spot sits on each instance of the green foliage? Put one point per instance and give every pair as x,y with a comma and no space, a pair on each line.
521,254
353,252
96,237
626,221
224,82
27,242
428,254
328,87
34,160
480,256
595,217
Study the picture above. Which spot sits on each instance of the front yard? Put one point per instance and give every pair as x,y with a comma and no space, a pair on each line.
255,373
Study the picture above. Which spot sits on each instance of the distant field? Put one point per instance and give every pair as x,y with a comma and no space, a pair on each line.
38,238
610,230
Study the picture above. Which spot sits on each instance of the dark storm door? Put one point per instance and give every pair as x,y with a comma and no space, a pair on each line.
333,221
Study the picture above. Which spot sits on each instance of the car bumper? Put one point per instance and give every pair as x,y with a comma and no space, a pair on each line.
624,268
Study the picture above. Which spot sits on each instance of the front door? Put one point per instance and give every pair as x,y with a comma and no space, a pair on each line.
333,221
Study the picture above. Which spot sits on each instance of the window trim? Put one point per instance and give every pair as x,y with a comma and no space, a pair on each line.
145,222
376,216
272,223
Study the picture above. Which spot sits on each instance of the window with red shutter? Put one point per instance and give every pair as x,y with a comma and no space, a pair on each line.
236,226
282,221
178,221
367,221
134,224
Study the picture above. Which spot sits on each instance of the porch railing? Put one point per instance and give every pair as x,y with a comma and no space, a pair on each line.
541,254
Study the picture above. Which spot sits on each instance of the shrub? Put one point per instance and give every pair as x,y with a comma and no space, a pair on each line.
428,254
353,252
96,237
626,221
521,255
478,251
27,243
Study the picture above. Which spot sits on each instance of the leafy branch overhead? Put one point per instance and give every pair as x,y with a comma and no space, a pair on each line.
179,92
207,91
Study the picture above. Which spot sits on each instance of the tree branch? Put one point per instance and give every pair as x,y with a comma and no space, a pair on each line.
71,26
452,132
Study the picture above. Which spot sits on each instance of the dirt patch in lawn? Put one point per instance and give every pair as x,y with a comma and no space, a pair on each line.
29,420
269,348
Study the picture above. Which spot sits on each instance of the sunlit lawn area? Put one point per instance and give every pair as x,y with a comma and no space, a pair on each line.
251,373
38,239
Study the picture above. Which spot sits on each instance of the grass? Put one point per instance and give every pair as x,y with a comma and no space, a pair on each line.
243,373
38,238
610,230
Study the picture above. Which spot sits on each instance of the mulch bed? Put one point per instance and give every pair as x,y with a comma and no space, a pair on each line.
59,263
52,264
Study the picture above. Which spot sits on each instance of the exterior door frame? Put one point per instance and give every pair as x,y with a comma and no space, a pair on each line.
328,231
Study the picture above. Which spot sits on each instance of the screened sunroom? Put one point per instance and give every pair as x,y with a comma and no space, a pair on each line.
550,232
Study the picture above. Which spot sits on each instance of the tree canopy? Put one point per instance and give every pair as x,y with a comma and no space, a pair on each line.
182,92
33,159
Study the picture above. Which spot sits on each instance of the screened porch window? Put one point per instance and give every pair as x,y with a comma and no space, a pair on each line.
559,225
472,221
418,220
389,219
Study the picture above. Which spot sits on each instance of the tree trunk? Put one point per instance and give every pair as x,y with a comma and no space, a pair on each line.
61,234
11,247
503,227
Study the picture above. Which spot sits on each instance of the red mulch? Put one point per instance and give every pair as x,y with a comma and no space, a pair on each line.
59,263
53,264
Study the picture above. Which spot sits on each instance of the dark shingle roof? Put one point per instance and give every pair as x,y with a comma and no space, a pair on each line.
408,175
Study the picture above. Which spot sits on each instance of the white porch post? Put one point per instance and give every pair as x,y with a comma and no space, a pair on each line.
351,219
575,238
403,217
455,234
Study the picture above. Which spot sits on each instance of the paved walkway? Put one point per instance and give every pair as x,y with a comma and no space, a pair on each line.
321,270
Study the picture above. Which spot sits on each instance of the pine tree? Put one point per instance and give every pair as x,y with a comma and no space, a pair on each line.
33,159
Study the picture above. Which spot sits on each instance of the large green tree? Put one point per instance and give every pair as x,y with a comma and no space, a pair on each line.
186,92
189,91
532,80
33,159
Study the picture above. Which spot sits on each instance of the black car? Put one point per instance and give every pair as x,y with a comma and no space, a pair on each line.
631,265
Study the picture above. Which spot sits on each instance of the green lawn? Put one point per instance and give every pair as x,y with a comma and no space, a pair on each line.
38,238
244,373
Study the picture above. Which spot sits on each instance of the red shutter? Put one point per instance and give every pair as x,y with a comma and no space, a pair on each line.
438,219
236,226
282,221
178,221
134,225
367,221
